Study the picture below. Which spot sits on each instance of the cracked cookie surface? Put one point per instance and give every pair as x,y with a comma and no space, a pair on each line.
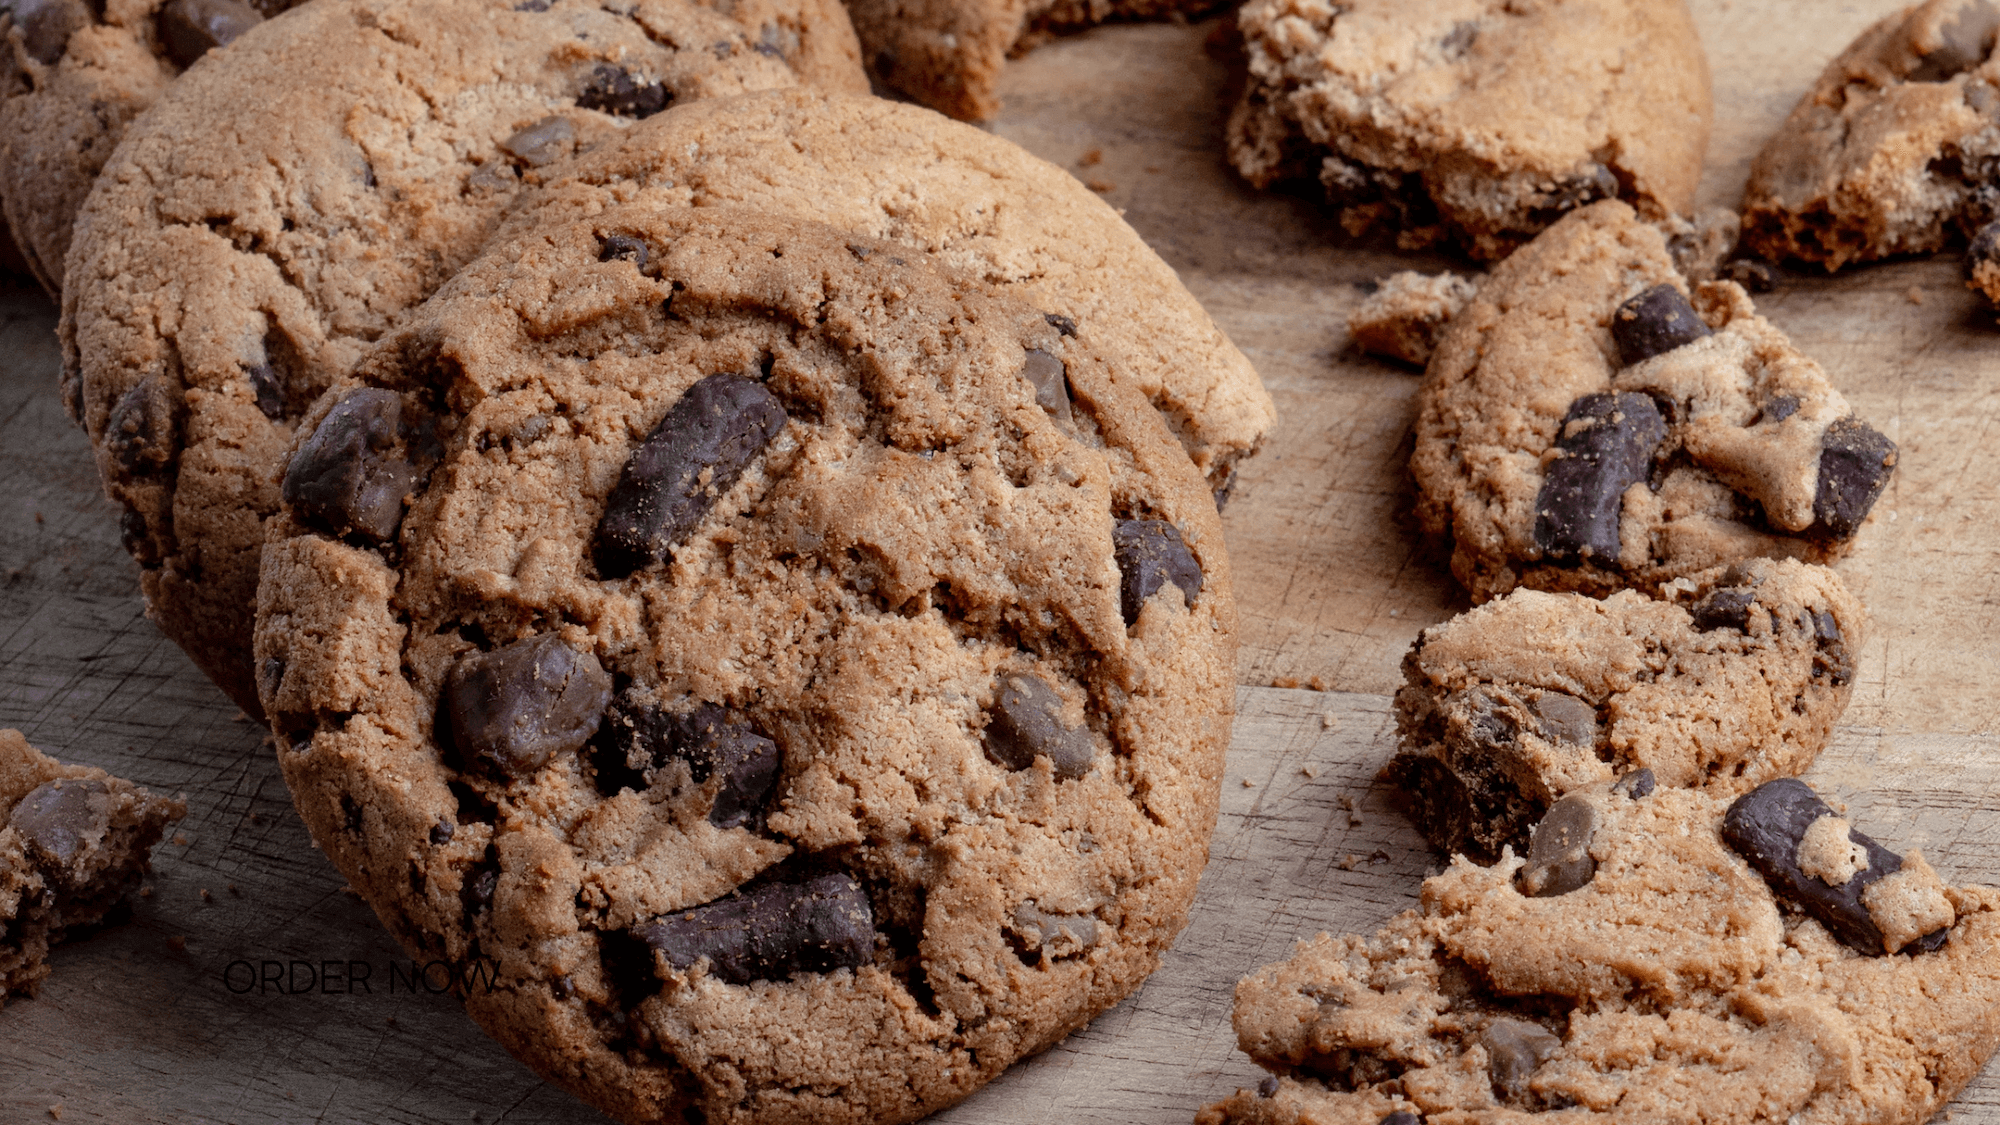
289,199
804,671
1666,981
1584,426
1477,122
1731,678
972,201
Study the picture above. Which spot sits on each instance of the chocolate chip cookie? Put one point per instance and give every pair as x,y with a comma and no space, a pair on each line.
1893,151
1586,426
804,670
73,843
1474,122
1730,678
973,201
1669,957
287,201
947,54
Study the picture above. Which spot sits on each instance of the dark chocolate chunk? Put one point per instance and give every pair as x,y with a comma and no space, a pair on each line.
1151,554
46,26
1565,718
268,385
1964,43
1514,1050
612,90
1268,1088
1400,1117
351,476
1726,607
140,431
1854,466
1830,656
693,456
1656,321
562,986
772,932
1778,409
628,247
516,707
1026,723
476,893
1766,825
59,819
1065,326
1593,185
711,740
1606,446
544,142
1559,858
1045,373
190,29
1635,785
443,831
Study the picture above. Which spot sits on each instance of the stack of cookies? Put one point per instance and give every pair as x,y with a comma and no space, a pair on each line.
738,554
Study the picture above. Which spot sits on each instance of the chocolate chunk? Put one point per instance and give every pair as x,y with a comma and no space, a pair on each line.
59,819
693,456
1045,373
476,893
1727,607
1151,554
46,26
1606,446
1985,249
544,142
268,385
1514,1050
1854,466
711,740
1063,325
1559,858
612,90
351,475
516,707
190,29
443,831
770,933
1026,723
562,986
631,249
1965,43
1593,185
1778,409
1268,1088
1830,657
1635,785
1565,718
1656,321
1766,826
140,431
1401,1117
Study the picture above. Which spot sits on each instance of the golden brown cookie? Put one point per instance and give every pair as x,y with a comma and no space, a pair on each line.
288,200
803,670
1477,122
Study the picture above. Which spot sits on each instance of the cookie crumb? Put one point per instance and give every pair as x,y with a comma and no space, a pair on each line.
207,897
1329,721
146,891
1285,682
1091,159
1317,683
1406,315
1915,295
180,841
1309,770
1099,186
242,718
177,943
233,890
1349,862
38,517
1249,784
55,1111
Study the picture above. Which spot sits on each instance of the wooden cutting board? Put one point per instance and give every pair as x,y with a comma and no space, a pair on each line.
152,1021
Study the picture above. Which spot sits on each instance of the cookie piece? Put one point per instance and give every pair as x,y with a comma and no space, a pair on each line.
973,201
947,54
1730,678
74,842
901,580
1671,985
1893,150
1403,318
1583,426
287,201
1477,122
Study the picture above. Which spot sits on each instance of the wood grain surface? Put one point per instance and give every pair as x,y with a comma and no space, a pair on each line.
144,1023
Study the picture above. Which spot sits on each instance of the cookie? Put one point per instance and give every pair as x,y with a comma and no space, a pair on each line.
1404,316
287,201
803,670
74,842
1731,678
974,202
1893,150
947,54
73,75
1584,427
1677,969
1474,122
